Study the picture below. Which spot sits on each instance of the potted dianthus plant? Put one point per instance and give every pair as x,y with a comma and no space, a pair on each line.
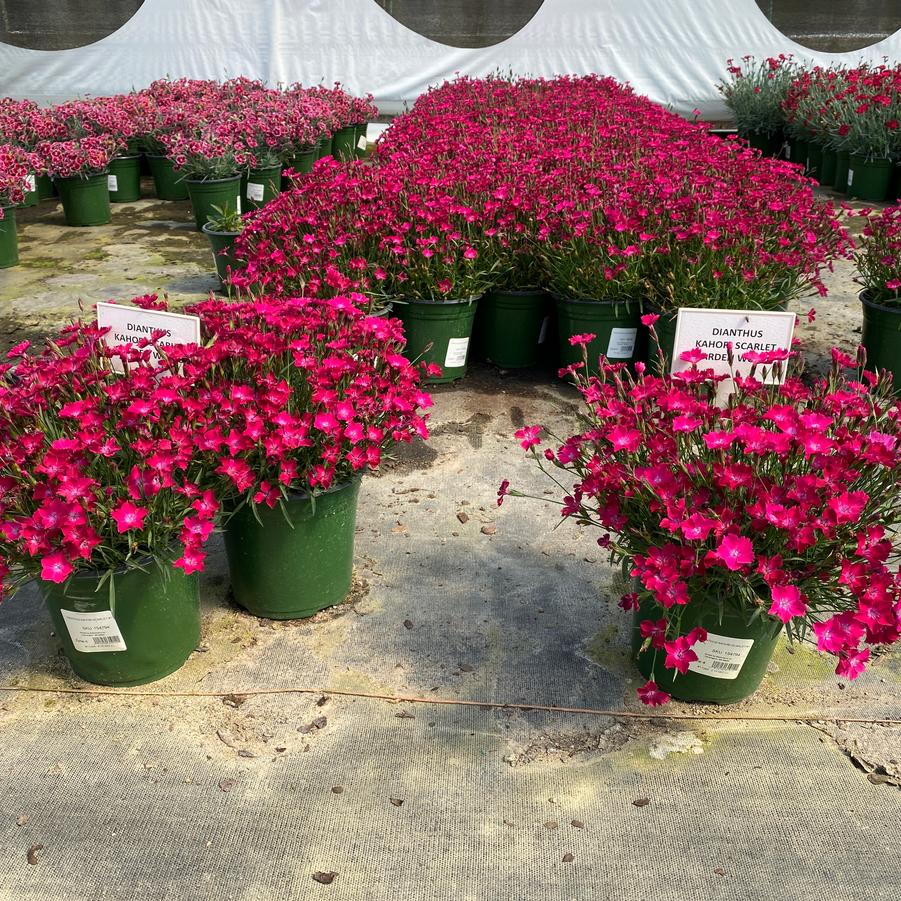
222,229
104,501
79,171
210,165
774,513
15,167
878,261
310,394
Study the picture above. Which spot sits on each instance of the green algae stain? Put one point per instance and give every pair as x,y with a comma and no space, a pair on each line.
801,663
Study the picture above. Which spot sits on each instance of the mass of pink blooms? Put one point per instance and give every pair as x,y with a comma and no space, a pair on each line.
102,469
239,120
780,501
576,184
16,165
879,255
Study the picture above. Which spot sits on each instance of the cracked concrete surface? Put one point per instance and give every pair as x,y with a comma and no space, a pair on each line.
246,797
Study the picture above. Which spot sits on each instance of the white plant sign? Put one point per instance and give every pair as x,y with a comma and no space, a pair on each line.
128,325
746,330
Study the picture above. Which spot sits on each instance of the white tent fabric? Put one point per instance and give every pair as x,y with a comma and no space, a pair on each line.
672,51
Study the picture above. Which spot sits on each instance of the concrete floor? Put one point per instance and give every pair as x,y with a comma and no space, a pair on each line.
247,796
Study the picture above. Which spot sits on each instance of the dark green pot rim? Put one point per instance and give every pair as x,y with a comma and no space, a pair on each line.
126,156
867,300
211,181
588,302
208,231
421,301
94,175
518,292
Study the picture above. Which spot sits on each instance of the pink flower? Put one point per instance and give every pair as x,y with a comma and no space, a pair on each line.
624,439
583,340
650,694
695,355
852,663
128,516
848,506
735,551
788,602
191,561
648,320
679,654
528,436
503,491
55,568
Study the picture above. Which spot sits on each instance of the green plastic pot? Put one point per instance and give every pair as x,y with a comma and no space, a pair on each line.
293,561
734,657
840,183
511,327
157,612
881,336
828,165
767,144
205,194
168,184
344,143
260,186
797,151
45,186
814,160
9,239
325,147
614,323
302,161
868,179
360,132
439,331
222,243
124,179
85,200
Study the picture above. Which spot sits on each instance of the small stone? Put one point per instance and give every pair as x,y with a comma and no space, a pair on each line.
324,878
577,824
337,789
408,624
245,753
397,802
719,871
641,802
490,529
568,858
551,824
21,819
32,854
463,517
227,784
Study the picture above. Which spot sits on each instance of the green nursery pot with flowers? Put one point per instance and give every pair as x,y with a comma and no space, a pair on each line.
259,186
79,172
327,391
881,335
222,230
85,200
344,143
868,179
736,521
295,559
167,183
111,528
128,627
615,325
124,179
208,195
438,333
301,162
511,327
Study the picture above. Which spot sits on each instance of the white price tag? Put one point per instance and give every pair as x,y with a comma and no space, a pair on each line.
238,204
850,177
92,633
720,656
456,352
621,345
128,325
542,335
788,151
255,191
112,183
31,183
361,143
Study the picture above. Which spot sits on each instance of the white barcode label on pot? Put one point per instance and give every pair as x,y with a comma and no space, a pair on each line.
112,182
720,656
542,335
238,204
850,177
31,182
621,344
255,191
456,352
361,144
94,632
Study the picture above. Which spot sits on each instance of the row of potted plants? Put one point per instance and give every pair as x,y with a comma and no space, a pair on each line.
841,123
231,143
774,513
112,481
491,195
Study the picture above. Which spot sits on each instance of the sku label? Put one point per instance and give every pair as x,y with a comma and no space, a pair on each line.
850,177
92,633
255,191
456,352
622,343
720,656
112,182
